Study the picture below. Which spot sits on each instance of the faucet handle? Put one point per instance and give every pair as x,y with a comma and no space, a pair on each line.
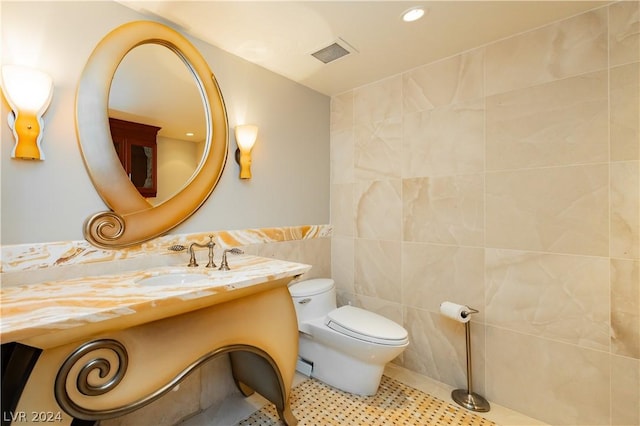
224,266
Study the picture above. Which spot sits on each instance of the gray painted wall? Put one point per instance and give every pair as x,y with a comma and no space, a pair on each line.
49,201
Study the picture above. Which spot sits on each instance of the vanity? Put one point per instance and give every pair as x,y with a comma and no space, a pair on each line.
100,347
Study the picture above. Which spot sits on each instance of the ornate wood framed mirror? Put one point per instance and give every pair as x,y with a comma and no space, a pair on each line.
132,218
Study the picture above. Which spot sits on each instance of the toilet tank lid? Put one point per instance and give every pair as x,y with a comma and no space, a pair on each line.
311,287
366,325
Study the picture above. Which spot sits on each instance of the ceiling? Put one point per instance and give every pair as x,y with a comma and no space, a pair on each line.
281,35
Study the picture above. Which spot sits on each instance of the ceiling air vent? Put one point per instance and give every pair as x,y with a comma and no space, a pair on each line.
336,50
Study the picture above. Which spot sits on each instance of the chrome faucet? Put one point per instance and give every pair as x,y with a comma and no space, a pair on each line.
192,254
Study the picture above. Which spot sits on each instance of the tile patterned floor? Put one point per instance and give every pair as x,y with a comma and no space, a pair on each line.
394,404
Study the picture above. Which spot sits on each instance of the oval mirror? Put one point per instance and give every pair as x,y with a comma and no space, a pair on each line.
133,218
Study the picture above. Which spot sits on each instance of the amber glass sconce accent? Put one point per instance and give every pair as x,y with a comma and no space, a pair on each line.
28,93
245,138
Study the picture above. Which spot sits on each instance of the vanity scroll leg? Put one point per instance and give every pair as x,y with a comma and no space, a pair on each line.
254,369
287,416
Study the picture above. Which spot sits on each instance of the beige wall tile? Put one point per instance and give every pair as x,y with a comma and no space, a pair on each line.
286,250
432,274
559,383
438,349
570,47
448,210
431,340
560,209
391,310
625,112
378,101
624,36
345,298
560,123
446,82
342,156
625,391
625,307
379,209
377,269
341,111
378,149
315,252
444,141
625,210
559,297
342,263
343,218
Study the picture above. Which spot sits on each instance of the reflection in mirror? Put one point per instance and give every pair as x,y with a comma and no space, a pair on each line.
152,86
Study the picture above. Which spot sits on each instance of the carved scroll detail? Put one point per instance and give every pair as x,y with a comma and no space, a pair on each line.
110,375
104,228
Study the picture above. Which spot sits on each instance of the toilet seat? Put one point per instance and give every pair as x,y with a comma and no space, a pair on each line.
367,326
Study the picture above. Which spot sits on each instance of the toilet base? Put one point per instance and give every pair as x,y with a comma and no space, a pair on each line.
339,370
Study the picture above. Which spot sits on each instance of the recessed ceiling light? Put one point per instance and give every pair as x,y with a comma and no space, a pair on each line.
189,134
413,14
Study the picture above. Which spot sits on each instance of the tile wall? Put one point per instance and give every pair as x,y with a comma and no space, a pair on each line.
506,178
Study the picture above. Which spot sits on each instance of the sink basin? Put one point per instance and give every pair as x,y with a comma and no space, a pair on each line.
172,278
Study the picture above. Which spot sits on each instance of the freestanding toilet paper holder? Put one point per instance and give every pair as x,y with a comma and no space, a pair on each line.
466,397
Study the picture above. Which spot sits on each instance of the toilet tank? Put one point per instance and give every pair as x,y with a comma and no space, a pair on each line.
313,298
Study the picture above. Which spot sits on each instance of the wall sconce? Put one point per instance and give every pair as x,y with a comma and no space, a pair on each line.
29,93
245,138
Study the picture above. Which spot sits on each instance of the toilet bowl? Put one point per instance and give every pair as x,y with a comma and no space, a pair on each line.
347,347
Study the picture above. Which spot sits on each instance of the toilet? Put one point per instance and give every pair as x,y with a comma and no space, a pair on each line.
345,347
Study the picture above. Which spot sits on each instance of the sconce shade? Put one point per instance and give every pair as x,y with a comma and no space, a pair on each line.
245,139
28,93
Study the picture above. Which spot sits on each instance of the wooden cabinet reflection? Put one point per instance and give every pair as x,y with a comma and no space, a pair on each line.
135,144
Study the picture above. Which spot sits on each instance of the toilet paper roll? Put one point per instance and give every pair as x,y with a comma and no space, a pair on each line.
454,311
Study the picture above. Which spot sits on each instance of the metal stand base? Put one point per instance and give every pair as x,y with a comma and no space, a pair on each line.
470,401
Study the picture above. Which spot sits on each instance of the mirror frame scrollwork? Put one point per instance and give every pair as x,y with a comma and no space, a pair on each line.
132,218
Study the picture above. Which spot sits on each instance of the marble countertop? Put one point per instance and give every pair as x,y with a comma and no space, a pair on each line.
29,311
